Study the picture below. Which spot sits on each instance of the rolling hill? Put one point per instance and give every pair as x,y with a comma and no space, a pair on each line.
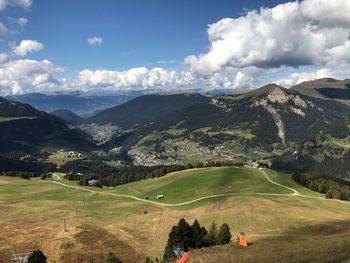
278,222
27,130
68,116
327,88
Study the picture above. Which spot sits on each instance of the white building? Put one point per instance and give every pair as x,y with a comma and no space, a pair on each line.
92,182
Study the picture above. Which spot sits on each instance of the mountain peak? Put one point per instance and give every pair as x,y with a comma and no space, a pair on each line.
268,89
11,108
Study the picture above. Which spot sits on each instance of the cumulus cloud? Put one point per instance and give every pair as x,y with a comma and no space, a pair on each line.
24,76
340,54
3,57
243,52
95,41
327,13
15,3
133,78
27,46
296,78
290,34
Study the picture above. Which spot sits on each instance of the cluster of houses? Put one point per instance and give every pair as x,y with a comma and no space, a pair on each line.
71,153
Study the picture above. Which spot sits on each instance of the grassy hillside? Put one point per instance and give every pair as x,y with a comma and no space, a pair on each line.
188,185
279,226
327,88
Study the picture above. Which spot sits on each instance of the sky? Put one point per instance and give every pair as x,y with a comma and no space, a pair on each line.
163,45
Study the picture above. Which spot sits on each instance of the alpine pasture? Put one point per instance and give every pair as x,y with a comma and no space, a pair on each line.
275,212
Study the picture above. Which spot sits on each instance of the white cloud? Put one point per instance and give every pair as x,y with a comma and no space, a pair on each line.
22,21
133,78
243,52
3,29
169,61
24,76
95,41
27,46
327,13
3,57
289,34
296,78
340,53
15,3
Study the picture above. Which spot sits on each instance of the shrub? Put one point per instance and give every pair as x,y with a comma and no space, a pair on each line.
37,257
224,235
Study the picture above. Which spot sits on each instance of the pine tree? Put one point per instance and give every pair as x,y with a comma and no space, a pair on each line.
180,235
184,234
211,237
37,257
224,235
198,235
168,253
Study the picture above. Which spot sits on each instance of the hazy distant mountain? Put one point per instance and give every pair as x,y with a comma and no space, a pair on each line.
81,104
27,130
68,116
146,109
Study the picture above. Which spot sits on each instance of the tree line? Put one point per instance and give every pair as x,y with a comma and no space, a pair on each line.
21,174
189,236
333,189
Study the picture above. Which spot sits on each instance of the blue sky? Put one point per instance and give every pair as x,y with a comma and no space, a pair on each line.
163,34
135,32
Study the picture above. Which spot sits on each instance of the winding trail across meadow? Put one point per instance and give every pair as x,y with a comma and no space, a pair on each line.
294,193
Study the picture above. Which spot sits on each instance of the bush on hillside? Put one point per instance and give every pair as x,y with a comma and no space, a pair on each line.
37,257
224,235
111,258
195,236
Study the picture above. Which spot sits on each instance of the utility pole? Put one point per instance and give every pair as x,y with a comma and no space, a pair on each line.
65,224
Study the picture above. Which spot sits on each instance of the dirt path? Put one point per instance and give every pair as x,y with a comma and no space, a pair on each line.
294,193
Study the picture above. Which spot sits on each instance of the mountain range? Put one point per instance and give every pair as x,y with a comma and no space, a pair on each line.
297,129
79,103
26,130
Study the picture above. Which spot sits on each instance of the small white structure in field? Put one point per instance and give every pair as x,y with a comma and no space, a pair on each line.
19,258
251,164
159,196
92,182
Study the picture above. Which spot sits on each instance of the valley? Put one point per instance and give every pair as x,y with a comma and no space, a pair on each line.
174,131
128,155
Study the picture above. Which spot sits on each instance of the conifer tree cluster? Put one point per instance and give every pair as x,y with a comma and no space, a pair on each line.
195,236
